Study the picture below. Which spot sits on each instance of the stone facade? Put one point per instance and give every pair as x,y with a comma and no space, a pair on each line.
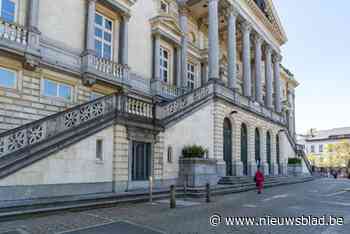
174,65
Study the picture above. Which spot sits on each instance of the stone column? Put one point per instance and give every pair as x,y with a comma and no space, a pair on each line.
258,80
251,151
156,54
33,33
277,77
124,38
184,43
268,77
232,47
90,29
213,43
273,166
264,167
247,79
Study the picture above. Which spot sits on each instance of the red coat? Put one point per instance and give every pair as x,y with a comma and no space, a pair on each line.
259,179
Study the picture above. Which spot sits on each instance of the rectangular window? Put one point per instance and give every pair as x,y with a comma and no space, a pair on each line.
312,149
99,149
55,89
7,78
191,75
164,64
103,36
320,148
8,10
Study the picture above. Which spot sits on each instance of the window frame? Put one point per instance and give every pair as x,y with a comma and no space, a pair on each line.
58,84
99,155
192,74
102,39
15,11
162,68
312,148
15,78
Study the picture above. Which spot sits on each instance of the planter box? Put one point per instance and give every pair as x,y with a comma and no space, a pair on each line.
196,172
295,169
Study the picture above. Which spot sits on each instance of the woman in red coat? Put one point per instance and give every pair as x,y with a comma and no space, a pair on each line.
259,180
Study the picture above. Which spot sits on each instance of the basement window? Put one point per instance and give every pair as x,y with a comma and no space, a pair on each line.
99,150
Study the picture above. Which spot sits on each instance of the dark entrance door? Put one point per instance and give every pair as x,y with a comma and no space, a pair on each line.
141,161
228,146
257,147
268,149
244,148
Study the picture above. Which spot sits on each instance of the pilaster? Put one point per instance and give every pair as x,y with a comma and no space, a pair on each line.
264,167
277,77
274,165
251,151
184,11
124,38
90,28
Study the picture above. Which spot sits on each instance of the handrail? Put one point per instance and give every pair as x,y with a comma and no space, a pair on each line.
50,126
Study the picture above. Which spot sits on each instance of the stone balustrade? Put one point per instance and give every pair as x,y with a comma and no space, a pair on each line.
139,108
51,126
220,90
13,32
106,69
167,91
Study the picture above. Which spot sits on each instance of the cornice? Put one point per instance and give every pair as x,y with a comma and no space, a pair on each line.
275,28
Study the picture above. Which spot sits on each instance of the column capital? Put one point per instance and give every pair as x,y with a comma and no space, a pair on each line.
268,49
183,8
276,58
231,11
246,27
258,39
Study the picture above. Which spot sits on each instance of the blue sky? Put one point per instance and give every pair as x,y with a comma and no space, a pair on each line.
318,53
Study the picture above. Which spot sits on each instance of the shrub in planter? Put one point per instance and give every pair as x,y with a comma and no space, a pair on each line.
193,151
294,161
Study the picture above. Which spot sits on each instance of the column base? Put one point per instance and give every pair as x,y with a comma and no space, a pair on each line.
237,168
252,168
284,169
221,168
264,167
274,169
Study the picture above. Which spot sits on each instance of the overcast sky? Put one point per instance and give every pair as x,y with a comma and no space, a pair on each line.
318,53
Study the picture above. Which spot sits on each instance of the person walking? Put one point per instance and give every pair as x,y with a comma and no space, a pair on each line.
259,180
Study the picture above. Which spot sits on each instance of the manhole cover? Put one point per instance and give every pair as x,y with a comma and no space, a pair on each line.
115,228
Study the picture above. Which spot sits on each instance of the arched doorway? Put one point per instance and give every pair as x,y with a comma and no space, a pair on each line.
244,148
278,154
257,147
268,149
228,146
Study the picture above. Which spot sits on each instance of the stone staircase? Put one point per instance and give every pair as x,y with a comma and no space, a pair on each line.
22,146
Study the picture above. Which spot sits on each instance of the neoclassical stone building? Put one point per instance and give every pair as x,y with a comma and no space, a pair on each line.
99,95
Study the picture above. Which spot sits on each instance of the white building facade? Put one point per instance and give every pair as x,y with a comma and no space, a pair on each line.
100,95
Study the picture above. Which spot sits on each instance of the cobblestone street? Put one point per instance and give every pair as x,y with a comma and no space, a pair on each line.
316,198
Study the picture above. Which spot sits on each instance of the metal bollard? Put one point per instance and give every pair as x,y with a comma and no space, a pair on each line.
172,197
151,189
207,191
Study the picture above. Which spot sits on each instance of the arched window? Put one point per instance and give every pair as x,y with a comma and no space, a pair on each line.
268,148
228,146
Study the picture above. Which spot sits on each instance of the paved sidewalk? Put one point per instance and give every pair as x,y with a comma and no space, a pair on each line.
317,198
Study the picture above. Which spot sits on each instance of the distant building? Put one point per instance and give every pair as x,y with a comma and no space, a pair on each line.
315,141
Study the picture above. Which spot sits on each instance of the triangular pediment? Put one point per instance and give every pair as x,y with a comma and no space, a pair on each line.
168,21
